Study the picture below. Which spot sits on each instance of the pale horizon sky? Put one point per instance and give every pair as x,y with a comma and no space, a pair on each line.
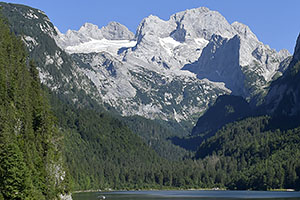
275,22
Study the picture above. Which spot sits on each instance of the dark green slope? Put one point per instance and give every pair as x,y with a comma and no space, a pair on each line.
30,157
226,109
262,158
265,150
157,136
102,152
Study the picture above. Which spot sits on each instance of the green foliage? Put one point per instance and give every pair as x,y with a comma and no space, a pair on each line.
261,158
102,152
14,175
28,137
156,135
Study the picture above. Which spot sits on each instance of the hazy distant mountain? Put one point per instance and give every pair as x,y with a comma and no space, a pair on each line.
89,32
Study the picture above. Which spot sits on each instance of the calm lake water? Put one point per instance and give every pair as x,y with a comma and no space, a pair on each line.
188,195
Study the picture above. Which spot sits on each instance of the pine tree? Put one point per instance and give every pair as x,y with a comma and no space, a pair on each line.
29,141
15,183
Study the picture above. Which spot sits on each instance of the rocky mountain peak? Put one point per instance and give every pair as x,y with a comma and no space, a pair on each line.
116,31
88,27
296,55
198,40
193,11
285,53
91,31
202,22
244,31
153,25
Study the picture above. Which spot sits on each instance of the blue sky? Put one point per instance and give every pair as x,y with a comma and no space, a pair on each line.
275,22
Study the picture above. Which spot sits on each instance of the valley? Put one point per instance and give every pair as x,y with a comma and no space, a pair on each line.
189,102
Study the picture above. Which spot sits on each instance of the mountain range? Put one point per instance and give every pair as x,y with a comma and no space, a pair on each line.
223,58
169,70
217,106
200,41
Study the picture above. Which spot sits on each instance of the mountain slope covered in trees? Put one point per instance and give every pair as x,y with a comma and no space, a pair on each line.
31,164
261,157
103,150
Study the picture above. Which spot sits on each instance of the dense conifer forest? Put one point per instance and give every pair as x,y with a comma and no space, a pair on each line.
102,152
31,164
49,145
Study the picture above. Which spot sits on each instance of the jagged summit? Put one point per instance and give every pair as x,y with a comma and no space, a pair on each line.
90,32
244,31
202,22
195,43
88,27
199,10
112,31
189,24
116,31
152,25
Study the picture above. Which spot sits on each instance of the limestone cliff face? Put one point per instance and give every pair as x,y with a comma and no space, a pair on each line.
203,42
169,70
225,58
219,62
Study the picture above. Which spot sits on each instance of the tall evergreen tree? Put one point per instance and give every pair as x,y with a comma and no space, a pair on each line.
31,165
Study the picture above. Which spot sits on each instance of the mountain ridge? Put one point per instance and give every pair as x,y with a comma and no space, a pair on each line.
147,72
167,47
155,88
283,95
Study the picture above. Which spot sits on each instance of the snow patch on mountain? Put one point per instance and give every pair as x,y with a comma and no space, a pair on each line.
90,32
30,15
111,46
169,44
173,69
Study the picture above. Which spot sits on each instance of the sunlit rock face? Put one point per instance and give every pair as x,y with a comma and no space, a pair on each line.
170,70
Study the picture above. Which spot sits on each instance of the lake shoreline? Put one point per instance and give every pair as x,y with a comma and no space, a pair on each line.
176,189
187,195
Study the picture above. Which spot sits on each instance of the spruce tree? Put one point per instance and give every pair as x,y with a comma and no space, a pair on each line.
30,162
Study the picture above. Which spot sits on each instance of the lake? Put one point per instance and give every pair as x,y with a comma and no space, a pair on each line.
188,195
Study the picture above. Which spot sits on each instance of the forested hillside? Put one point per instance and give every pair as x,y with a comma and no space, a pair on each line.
261,157
73,143
158,134
30,159
101,152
